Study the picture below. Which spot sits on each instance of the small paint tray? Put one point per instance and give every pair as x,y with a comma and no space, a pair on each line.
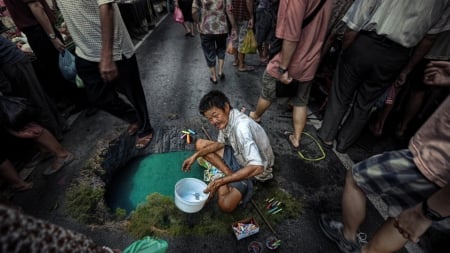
245,228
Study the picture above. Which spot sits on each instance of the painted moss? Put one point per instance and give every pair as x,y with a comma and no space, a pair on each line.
159,216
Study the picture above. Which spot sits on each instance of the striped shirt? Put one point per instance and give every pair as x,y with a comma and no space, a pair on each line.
83,22
403,21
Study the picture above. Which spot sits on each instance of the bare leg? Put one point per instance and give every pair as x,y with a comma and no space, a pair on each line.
261,107
414,104
9,173
228,198
221,63
387,239
377,128
353,207
186,28
241,59
299,121
213,73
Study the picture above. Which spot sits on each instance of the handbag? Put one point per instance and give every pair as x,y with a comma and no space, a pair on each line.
178,15
16,112
286,90
276,44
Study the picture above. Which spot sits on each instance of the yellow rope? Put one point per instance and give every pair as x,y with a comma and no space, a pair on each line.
318,145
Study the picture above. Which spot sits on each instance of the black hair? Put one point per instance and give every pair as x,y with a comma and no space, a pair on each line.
212,99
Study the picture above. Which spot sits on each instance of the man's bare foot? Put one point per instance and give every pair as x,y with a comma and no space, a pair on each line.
24,186
294,142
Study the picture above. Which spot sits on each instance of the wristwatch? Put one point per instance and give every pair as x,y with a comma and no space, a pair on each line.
430,213
281,70
52,36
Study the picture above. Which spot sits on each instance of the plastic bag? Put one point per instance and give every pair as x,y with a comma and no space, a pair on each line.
249,46
230,49
67,65
147,245
178,15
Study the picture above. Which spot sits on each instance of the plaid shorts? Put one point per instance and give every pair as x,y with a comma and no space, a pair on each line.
395,178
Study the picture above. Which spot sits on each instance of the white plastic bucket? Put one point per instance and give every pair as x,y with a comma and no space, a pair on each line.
189,195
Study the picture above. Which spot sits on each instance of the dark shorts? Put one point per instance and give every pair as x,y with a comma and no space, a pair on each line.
268,90
394,177
245,187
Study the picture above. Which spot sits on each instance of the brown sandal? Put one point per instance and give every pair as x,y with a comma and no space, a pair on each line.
143,142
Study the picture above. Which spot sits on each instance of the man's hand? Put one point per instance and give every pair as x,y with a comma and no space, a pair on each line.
285,78
437,73
58,44
411,223
212,188
108,70
186,167
401,79
250,24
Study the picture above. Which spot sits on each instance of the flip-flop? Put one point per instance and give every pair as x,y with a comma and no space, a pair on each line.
61,163
247,69
288,138
132,129
143,142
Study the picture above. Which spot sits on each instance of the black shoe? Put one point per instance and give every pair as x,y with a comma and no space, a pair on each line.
221,76
212,80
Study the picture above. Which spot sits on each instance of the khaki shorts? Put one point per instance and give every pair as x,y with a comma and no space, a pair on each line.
268,91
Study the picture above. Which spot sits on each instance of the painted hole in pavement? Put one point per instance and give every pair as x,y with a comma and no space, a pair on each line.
145,175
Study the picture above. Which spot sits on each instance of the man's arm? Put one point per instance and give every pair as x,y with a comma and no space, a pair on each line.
412,223
229,10
211,147
287,51
419,52
38,12
108,68
349,36
249,4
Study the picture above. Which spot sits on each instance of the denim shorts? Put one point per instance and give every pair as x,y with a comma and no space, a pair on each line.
245,187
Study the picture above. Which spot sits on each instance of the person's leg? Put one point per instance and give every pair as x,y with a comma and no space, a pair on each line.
46,139
9,173
387,239
413,106
209,51
221,44
353,207
266,97
101,94
299,114
346,79
379,73
130,83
